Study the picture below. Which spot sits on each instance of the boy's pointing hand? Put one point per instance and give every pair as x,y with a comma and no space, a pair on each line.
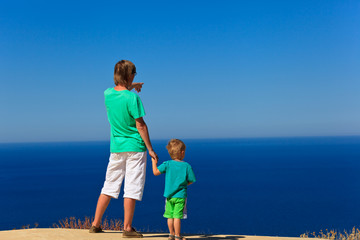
137,86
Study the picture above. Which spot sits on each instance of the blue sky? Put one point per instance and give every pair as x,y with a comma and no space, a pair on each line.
212,69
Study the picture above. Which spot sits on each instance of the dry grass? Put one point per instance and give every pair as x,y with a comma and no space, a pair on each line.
28,226
354,234
74,223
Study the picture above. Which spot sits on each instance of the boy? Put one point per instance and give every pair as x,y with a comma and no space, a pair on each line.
128,144
179,175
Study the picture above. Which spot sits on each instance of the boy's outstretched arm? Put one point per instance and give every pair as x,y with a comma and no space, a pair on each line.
154,167
137,86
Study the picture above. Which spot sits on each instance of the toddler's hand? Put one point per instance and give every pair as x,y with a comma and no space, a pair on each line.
154,160
153,154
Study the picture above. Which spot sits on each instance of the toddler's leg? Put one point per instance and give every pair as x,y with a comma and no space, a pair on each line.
177,226
170,223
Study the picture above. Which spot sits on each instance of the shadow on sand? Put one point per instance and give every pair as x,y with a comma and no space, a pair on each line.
199,237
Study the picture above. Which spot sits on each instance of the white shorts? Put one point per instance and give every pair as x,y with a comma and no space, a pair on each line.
132,166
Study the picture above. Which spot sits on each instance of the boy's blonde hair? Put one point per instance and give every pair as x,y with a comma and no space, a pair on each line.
175,147
122,72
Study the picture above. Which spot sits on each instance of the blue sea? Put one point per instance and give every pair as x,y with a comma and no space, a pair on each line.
264,186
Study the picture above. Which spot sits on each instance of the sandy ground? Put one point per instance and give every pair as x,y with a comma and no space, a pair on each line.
76,234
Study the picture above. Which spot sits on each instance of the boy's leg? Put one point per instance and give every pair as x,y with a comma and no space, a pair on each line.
112,184
170,223
177,226
134,185
102,204
129,209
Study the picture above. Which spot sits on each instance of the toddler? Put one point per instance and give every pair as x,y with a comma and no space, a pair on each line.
179,175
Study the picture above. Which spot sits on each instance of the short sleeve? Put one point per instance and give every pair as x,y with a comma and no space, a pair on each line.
136,107
162,168
190,175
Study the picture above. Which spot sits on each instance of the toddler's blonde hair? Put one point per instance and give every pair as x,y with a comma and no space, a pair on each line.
175,147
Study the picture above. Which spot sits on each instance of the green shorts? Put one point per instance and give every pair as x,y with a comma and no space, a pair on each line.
174,208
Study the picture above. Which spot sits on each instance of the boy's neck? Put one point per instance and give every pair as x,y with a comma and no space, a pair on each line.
120,88
179,160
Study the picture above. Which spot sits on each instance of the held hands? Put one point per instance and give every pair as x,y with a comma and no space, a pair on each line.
154,166
153,155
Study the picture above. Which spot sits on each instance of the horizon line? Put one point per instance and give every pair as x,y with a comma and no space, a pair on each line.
210,138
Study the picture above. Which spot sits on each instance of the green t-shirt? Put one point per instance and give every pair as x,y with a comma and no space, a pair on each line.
178,175
123,107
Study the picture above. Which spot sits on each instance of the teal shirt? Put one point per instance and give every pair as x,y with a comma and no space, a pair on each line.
178,175
123,107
